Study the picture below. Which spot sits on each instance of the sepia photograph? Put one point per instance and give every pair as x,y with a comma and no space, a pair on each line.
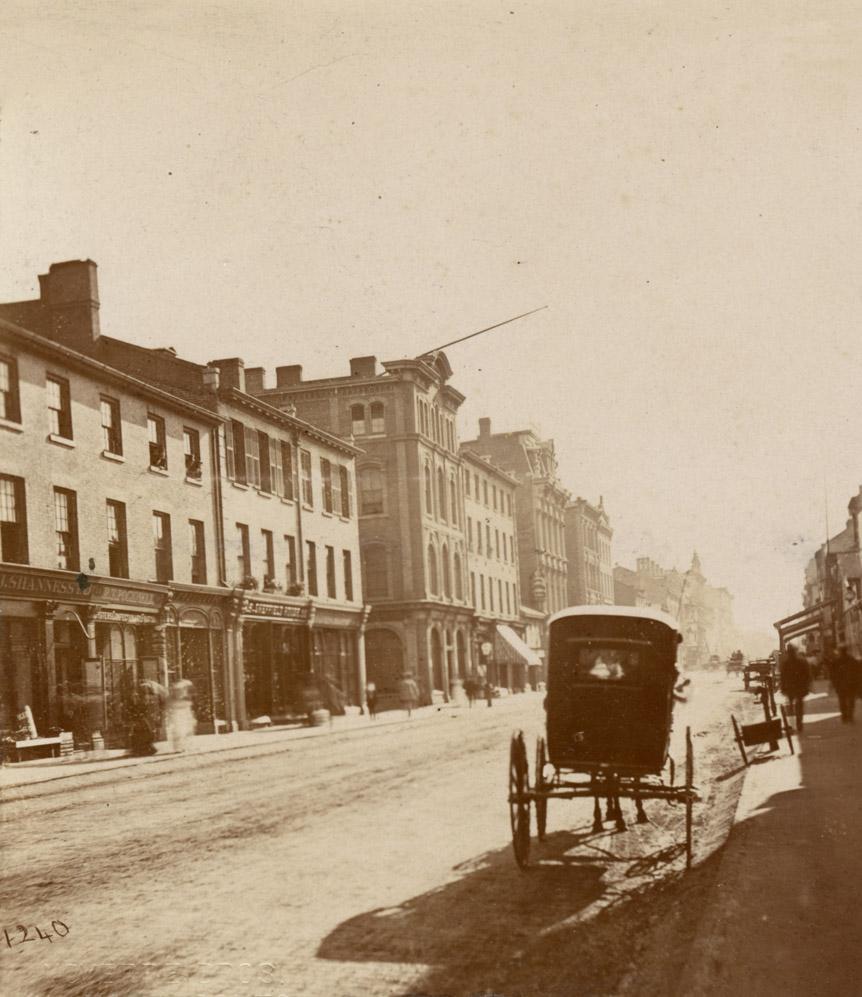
430,558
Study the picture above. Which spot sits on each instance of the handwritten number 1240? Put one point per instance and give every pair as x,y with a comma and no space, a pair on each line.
25,934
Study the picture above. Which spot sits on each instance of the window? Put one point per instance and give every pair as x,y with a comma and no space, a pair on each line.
277,474
509,504
447,577
118,544
485,490
357,420
497,543
287,469
265,464
433,585
326,478
192,451
500,594
429,500
377,421
112,435
370,491
347,561
473,588
459,581
162,547
336,488
488,551
344,477
441,493
311,566
158,442
476,487
243,557
494,495
59,408
13,520
197,546
491,594
374,561
10,402
290,567
66,528
252,458
469,533
467,483
482,589
305,468
237,435
268,566
478,537
453,500
330,572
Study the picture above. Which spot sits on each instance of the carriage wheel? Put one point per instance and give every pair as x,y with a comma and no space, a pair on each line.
541,788
519,799
689,797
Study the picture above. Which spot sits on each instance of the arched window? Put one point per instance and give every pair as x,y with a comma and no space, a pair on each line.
447,577
459,582
357,420
376,566
432,570
441,493
377,423
453,500
370,491
429,488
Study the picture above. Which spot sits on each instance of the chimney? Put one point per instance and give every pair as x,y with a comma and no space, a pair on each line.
484,428
286,377
231,372
70,292
363,366
254,378
210,377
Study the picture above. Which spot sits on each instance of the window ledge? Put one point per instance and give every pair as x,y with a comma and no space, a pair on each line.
161,471
326,512
241,485
110,455
61,441
197,482
288,501
13,427
344,519
263,494
307,507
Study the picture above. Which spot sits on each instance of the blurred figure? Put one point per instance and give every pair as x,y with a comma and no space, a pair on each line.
142,738
489,694
408,693
371,699
845,682
180,719
312,701
795,681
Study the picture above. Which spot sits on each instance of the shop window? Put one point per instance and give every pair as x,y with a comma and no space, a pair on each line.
13,520
192,452
59,407
162,547
377,420
347,563
326,478
330,572
243,556
10,399
268,565
158,442
344,478
370,491
357,420
112,433
197,545
305,470
375,564
118,543
311,566
66,529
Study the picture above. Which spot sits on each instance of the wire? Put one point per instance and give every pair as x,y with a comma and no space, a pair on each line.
479,333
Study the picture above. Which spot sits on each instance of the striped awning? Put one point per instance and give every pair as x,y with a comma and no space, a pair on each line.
509,649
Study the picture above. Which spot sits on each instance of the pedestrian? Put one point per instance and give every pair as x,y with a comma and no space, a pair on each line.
470,689
371,699
142,740
489,694
311,698
408,693
181,722
795,680
845,682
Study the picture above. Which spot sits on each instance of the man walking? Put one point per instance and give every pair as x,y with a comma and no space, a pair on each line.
845,682
408,693
795,680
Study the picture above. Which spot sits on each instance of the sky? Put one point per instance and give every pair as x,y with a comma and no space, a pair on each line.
304,182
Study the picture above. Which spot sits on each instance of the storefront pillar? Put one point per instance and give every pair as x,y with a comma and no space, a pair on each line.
46,618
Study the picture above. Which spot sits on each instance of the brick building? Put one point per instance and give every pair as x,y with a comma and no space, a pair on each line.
411,509
588,551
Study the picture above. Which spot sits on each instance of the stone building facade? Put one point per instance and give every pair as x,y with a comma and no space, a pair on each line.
588,551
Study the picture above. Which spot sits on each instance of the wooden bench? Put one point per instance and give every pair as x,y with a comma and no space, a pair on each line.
39,743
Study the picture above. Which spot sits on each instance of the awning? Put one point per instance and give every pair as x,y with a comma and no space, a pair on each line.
509,649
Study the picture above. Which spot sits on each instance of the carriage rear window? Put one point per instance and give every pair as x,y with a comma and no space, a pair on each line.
606,664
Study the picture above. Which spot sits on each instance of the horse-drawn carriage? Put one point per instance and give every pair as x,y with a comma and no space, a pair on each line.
609,705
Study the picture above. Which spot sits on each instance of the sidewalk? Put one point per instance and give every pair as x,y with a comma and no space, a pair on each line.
785,917
241,744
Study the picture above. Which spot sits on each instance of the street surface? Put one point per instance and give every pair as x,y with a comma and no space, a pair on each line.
375,864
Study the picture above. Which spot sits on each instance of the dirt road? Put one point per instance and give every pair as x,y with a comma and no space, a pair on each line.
377,865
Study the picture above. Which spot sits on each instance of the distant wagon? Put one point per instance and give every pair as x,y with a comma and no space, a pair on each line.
609,705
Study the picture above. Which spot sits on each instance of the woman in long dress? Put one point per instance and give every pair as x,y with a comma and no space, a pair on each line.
181,719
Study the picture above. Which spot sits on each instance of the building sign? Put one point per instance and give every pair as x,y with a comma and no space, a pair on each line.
274,610
66,589
117,616
27,584
127,596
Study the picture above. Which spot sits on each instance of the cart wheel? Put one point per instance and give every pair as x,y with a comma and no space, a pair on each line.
540,789
689,796
519,799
